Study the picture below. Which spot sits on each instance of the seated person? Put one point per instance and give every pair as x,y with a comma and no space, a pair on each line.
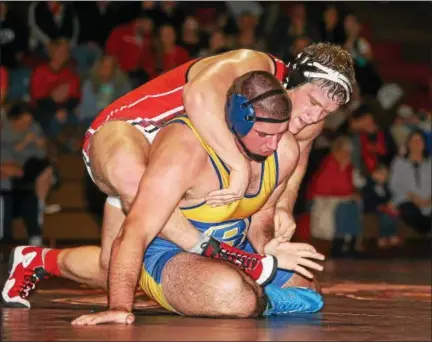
410,183
377,200
28,143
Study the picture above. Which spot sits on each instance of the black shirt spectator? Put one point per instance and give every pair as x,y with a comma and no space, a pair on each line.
13,39
51,21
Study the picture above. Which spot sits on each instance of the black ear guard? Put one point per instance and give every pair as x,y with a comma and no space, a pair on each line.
303,69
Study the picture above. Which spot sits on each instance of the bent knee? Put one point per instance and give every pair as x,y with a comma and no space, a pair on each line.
239,298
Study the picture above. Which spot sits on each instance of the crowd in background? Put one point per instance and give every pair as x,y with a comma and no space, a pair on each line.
62,62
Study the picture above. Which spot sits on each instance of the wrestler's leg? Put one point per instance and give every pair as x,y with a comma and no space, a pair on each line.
198,286
118,154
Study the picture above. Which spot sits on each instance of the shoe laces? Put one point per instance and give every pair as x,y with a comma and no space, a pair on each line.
244,261
31,279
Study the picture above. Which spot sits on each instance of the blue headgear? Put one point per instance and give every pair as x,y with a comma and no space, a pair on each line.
241,114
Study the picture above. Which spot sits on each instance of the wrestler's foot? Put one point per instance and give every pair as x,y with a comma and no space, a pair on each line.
26,269
262,268
282,301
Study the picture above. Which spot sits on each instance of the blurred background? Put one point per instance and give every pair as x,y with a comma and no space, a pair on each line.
367,191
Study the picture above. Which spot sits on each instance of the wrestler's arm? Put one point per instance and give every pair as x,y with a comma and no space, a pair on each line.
174,164
305,141
204,99
261,230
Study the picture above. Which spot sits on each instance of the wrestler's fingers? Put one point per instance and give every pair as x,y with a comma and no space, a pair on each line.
311,255
305,247
80,320
310,264
304,272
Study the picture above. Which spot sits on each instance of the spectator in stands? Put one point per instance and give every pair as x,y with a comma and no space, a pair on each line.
191,38
131,45
30,150
52,20
402,127
15,202
410,183
106,83
4,85
377,200
13,39
216,44
55,90
298,45
331,28
96,19
366,74
335,213
172,13
247,37
13,49
168,54
373,144
295,26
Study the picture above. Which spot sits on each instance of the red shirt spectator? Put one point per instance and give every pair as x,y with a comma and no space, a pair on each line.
372,150
130,43
45,80
55,81
168,55
335,174
4,81
332,179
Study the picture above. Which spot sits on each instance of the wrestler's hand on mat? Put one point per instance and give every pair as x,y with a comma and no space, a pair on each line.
109,316
239,181
284,224
294,256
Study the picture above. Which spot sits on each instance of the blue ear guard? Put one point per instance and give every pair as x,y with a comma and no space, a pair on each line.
241,115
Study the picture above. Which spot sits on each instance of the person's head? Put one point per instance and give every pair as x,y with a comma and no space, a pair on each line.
253,100
319,81
342,148
331,16
167,35
352,25
217,40
247,22
364,120
3,10
59,53
106,68
20,116
416,144
144,24
300,43
190,24
380,174
299,12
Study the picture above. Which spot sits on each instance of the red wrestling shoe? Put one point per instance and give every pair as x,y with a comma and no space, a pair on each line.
261,268
26,269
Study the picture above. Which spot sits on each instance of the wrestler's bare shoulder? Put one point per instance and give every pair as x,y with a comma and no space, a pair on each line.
311,132
182,143
251,58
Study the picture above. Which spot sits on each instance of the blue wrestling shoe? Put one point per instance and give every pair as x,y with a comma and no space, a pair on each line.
291,300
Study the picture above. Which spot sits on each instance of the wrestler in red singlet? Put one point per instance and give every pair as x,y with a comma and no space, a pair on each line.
154,102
